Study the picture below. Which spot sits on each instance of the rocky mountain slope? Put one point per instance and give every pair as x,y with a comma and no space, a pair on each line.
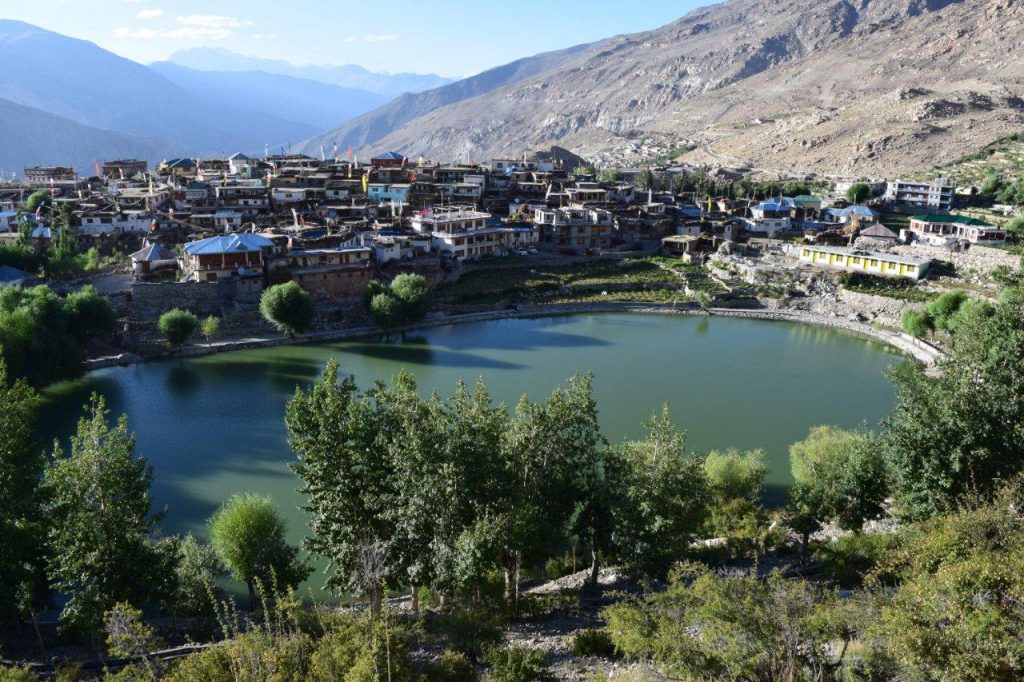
845,87
366,130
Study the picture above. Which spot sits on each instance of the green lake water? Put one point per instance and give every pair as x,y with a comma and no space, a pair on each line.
213,426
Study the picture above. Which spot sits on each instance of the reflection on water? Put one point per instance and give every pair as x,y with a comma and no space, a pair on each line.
213,426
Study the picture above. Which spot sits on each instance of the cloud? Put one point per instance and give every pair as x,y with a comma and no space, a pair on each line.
212,21
376,38
199,32
141,34
150,13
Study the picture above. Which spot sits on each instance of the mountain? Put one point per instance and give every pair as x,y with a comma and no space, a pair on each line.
348,75
34,137
364,131
312,103
76,80
832,86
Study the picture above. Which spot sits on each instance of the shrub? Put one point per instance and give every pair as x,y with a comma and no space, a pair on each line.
849,560
414,293
515,663
468,632
592,643
453,667
732,475
558,566
177,327
917,323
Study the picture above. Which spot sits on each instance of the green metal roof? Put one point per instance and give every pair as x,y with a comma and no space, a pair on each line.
949,218
806,197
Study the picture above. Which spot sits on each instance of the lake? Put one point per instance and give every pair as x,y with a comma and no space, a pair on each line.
214,425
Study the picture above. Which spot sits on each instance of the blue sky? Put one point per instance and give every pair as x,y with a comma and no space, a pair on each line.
452,38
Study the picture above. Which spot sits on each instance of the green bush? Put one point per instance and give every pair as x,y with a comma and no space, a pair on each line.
592,643
386,310
558,566
515,663
466,631
849,560
16,675
453,667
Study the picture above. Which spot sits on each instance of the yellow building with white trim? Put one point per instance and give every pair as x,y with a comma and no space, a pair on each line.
870,262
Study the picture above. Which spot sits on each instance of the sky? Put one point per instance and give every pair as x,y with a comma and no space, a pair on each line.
453,38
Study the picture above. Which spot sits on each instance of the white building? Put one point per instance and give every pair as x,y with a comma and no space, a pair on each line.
935,195
944,229
464,234
116,222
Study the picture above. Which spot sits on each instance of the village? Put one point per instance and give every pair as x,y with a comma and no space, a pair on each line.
209,235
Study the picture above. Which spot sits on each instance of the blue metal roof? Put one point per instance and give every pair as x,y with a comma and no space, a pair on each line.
389,156
229,243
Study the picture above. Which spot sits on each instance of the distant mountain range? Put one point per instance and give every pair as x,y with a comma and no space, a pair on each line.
387,85
34,137
69,101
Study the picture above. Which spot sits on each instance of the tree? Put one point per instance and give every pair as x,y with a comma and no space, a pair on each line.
193,569
98,506
943,310
247,533
209,328
858,193
334,432
644,180
405,300
414,293
41,335
955,437
918,323
386,310
661,498
991,185
839,475
289,307
37,200
177,327
89,315
21,527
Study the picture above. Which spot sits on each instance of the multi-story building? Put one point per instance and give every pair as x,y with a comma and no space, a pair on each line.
575,228
462,233
935,195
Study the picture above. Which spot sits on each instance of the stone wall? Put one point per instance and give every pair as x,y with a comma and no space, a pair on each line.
979,258
149,300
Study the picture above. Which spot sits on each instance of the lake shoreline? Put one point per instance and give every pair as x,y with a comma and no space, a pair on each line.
922,352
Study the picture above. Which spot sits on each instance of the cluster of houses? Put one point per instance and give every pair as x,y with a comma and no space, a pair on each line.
328,223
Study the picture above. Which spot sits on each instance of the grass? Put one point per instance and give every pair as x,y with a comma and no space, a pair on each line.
526,283
901,289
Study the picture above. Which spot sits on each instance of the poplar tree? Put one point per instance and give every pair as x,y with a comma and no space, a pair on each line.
98,507
21,463
334,432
